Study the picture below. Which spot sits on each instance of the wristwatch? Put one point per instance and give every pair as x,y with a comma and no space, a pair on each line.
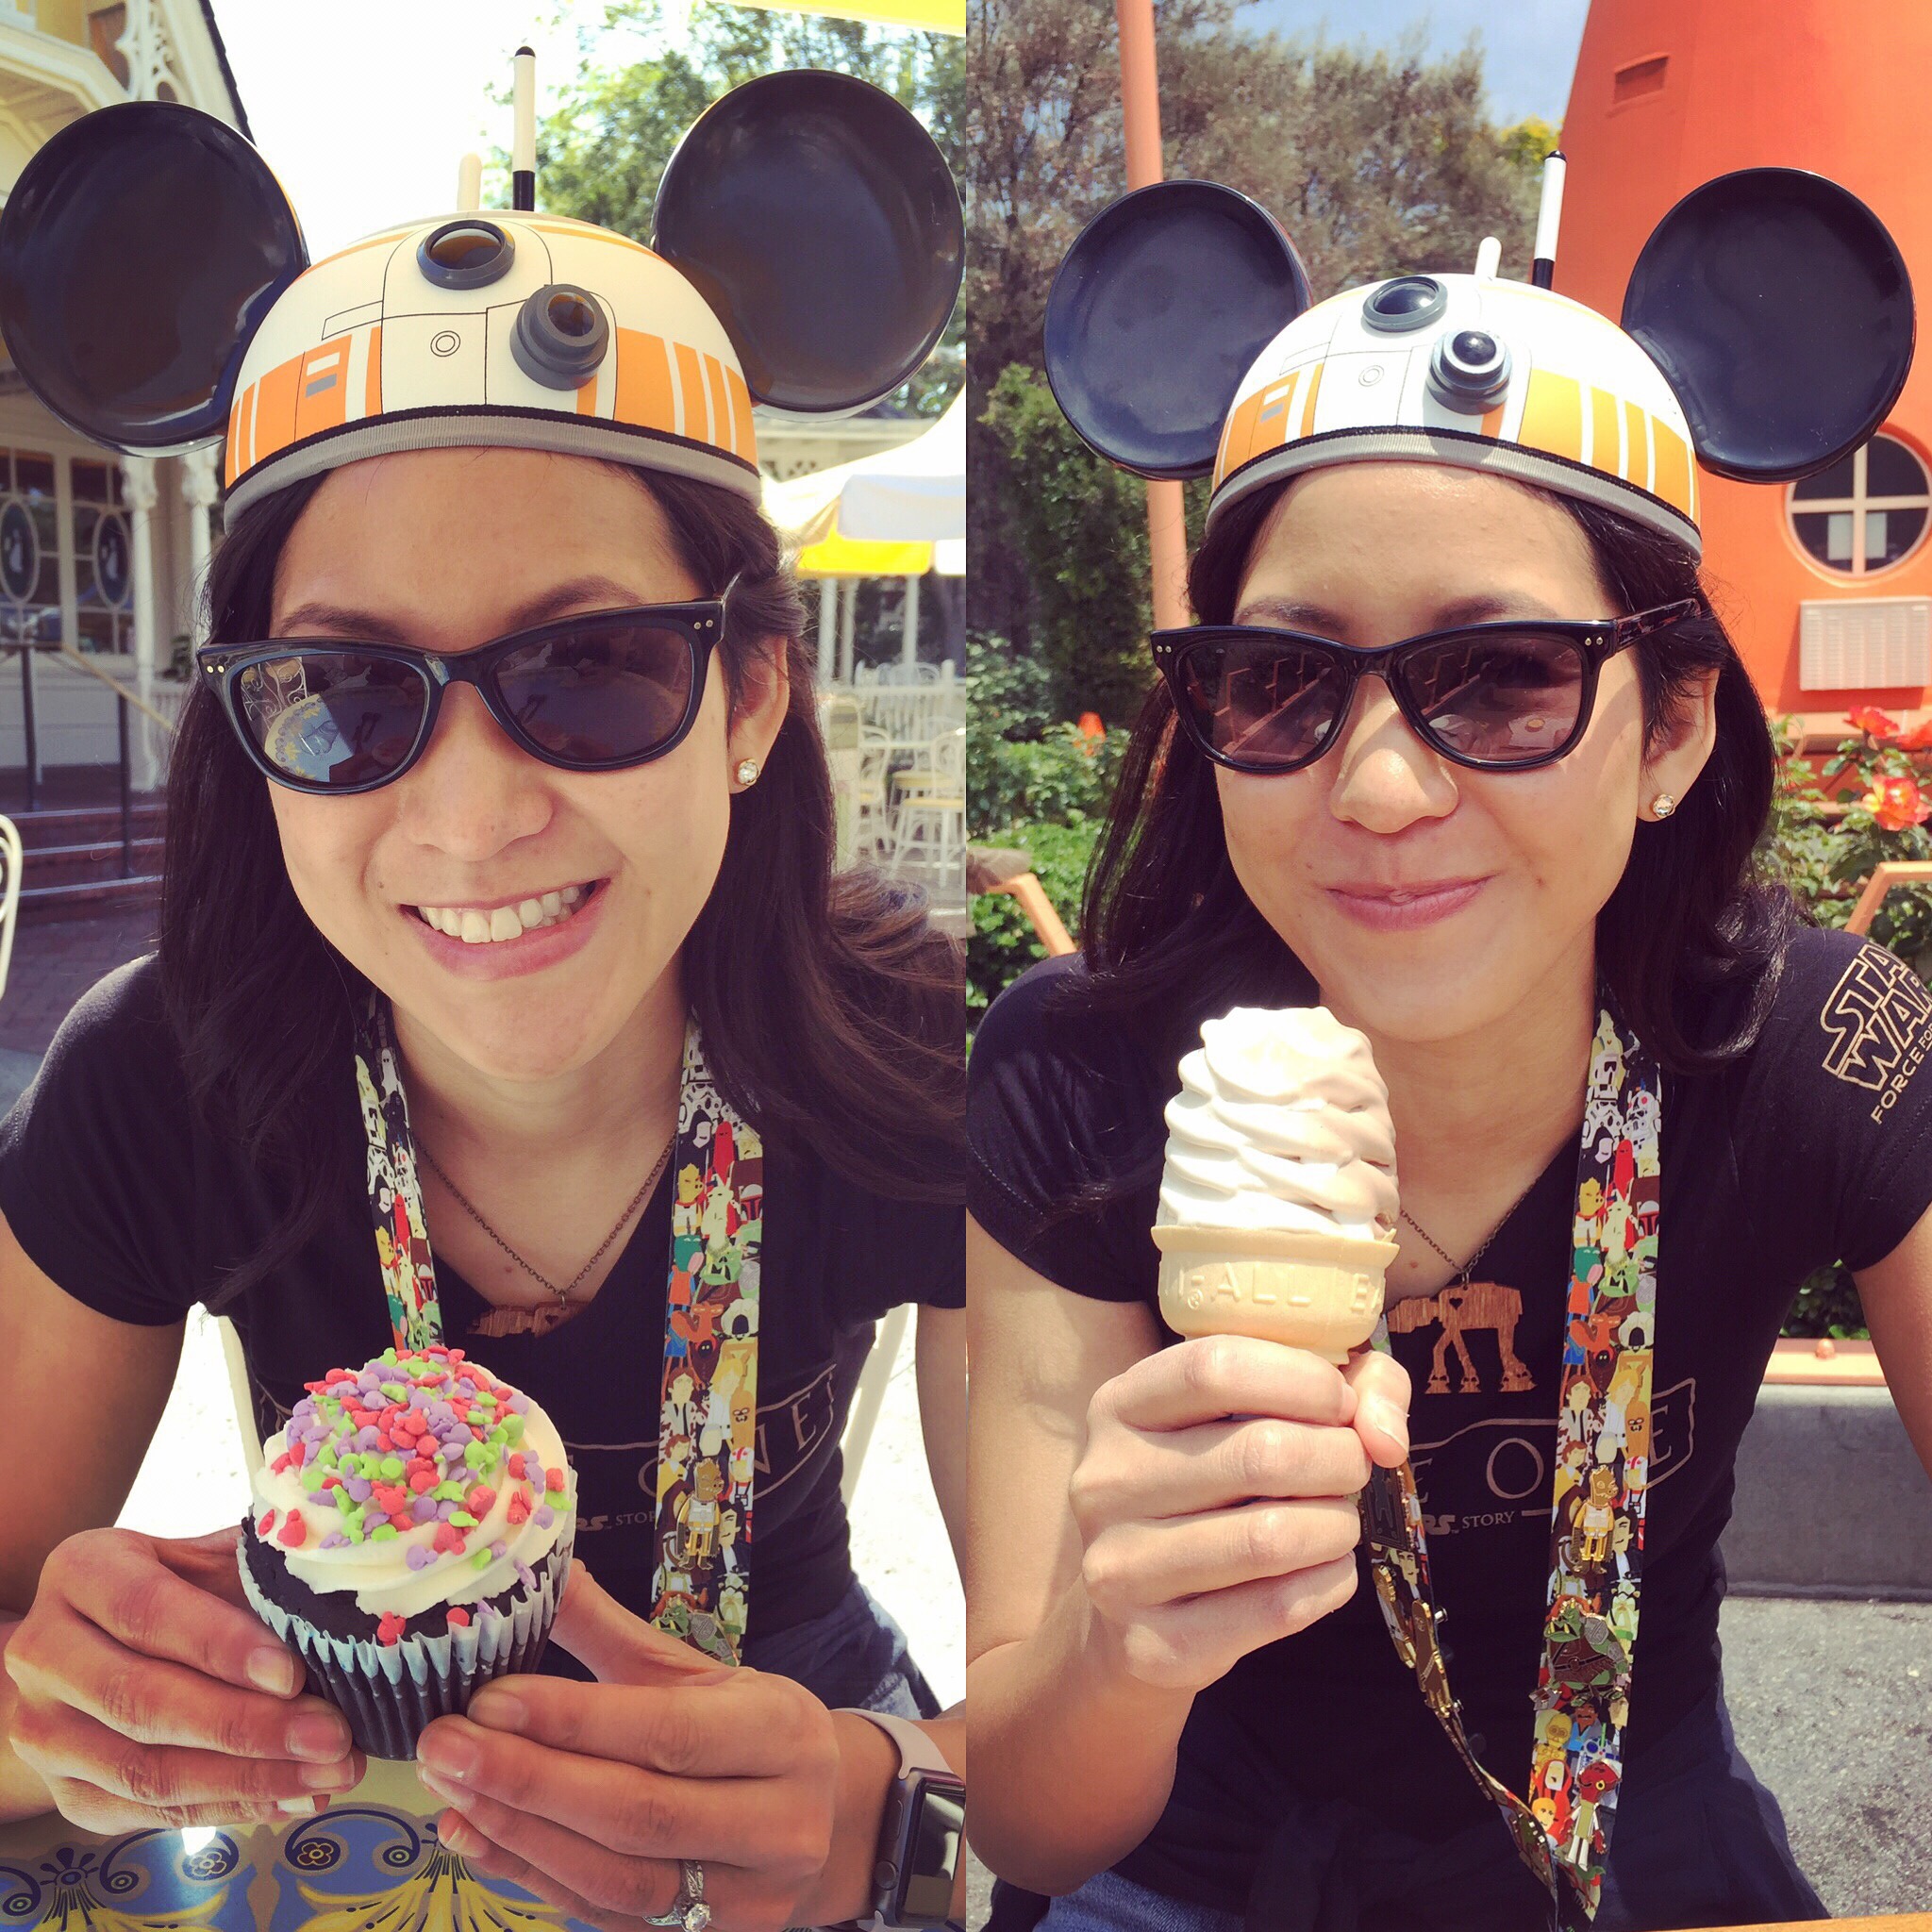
922,1840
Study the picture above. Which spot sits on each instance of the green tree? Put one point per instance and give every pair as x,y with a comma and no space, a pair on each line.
601,152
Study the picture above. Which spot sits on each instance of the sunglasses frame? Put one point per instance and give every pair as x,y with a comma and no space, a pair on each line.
1598,638
700,623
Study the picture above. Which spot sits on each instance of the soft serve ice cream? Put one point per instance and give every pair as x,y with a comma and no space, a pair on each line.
1278,1200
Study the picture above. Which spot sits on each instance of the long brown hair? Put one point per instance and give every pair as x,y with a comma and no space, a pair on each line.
832,1013
1689,948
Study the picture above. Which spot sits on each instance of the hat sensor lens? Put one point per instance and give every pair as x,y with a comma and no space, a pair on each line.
561,336
465,255
1469,371
1407,303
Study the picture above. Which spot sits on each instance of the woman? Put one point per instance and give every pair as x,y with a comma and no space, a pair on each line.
1193,1712
504,761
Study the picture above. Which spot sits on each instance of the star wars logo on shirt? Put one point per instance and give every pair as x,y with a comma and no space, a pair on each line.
1876,1020
1498,1471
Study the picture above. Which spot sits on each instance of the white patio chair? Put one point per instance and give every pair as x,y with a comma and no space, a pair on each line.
13,862
929,823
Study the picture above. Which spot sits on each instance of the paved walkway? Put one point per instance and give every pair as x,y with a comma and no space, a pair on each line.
54,964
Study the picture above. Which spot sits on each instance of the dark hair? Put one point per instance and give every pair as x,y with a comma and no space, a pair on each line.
832,1012
1689,947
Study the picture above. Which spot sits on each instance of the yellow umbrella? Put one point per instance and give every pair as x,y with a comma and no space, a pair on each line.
938,16
833,556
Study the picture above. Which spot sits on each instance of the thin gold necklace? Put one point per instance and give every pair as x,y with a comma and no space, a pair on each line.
539,1321
1463,1272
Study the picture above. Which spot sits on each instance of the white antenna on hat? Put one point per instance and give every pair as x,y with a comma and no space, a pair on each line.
1549,217
469,184
523,179
1489,259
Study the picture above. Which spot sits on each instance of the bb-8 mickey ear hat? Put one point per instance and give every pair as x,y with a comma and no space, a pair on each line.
156,294
1767,330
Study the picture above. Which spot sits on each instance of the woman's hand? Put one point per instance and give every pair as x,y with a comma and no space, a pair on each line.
1215,1497
589,1794
148,1694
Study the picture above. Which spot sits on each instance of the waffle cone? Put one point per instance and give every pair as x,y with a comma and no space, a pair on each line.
1318,1291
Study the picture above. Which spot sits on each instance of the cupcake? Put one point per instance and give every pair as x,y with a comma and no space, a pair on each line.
409,1537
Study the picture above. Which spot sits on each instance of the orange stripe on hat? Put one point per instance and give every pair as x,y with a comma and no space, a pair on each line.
1553,415
1673,468
690,383
644,382
321,391
229,453
1260,423
721,403
744,439
1637,469
1603,432
275,409
244,441
372,399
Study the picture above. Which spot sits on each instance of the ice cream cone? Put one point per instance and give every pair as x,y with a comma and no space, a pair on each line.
1312,1291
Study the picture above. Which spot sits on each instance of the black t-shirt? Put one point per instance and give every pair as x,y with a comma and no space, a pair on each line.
1814,1147
117,1192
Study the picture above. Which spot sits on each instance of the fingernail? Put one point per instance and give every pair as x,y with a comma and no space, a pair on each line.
448,1752
458,1836
498,1708
273,1670
1389,1419
442,1787
300,1804
339,1776
317,1735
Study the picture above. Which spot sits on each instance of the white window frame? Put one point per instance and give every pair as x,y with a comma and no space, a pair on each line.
1858,503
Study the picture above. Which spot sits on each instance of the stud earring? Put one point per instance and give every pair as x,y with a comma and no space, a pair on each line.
1662,806
747,770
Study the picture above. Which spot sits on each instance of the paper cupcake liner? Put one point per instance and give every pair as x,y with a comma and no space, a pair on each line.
389,1691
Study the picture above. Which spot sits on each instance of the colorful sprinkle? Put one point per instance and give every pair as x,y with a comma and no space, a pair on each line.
294,1532
459,1617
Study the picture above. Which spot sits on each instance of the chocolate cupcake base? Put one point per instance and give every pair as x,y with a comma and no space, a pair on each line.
389,1691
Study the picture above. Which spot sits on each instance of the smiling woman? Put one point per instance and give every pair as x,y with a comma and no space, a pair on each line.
500,899
1429,883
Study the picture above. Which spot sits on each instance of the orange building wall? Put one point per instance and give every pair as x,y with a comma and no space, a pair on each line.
1835,86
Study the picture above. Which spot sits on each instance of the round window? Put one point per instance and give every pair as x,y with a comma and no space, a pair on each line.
1865,513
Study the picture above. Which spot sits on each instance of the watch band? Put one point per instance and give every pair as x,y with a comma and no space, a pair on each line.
921,1766
917,1750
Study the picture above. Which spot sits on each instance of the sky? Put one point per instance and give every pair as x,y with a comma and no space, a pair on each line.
360,143
1529,45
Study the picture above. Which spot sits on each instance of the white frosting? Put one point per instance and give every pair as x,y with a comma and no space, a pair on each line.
1282,1122
378,1570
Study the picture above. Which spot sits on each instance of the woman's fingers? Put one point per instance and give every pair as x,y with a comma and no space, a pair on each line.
150,1701
106,1812
1135,1567
1215,1375
1214,1465
641,1809
616,1645
125,1584
160,1778
1184,1646
1381,1389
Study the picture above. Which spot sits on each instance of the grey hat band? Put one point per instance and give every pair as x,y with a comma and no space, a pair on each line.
1462,452
476,426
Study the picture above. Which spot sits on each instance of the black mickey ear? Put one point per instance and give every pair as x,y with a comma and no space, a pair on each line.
1161,307
1781,312
140,249
820,222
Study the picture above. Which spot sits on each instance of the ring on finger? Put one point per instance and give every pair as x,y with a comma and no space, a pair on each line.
687,1910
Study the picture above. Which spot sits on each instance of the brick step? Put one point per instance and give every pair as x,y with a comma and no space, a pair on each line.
73,865
48,904
90,824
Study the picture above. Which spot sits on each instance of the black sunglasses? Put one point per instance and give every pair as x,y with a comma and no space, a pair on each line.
599,692
1496,697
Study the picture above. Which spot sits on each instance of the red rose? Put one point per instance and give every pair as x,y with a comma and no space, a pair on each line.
1897,803
1871,720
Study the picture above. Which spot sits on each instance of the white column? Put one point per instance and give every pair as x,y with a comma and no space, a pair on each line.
829,618
909,646
141,493
848,619
200,486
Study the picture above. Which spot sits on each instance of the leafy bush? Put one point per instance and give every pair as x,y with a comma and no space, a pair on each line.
1827,1303
1004,944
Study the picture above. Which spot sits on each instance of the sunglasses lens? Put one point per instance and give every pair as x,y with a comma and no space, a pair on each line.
605,694
1264,703
1505,699
332,719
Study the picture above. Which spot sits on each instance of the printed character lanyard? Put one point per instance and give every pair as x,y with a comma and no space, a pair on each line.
1596,1526
707,1388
